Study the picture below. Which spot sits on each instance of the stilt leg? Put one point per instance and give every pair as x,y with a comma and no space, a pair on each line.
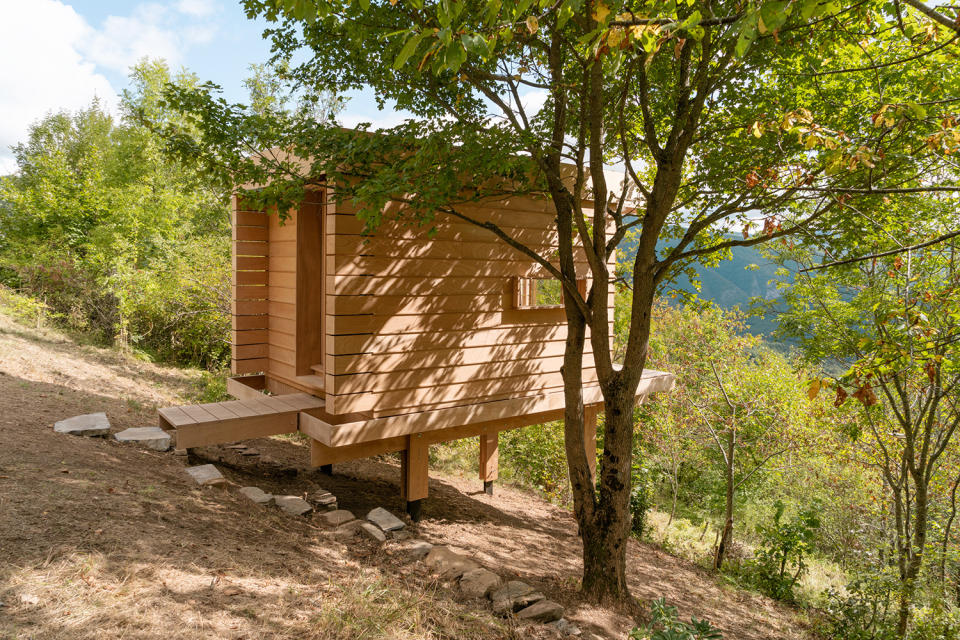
414,474
590,439
414,509
489,460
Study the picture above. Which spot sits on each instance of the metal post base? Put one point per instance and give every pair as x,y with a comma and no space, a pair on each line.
415,509
488,487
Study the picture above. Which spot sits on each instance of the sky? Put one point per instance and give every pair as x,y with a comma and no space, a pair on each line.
61,54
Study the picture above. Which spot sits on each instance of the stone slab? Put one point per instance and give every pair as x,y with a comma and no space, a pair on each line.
417,549
373,531
449,563
477,583
294,505
91,424
336,518
206,474
514,596
565,627
150,437
385,520
257,494
542,611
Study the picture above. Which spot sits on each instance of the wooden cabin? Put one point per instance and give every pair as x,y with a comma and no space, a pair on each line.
394,341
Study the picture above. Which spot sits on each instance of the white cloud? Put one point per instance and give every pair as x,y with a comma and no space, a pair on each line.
151,30
198,8
533,101
42,69
53,59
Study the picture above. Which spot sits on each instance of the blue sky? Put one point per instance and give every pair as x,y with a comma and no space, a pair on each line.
59,54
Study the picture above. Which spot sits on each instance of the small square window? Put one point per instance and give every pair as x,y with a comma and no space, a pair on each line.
537,293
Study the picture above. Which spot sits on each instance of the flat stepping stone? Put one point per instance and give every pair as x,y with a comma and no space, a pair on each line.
514,596
385,520
373,531
323,498
334,519
294,505
90,425
206,474
449,563
477,583
347,531
418,549
565,627
257,494
150,437
543,611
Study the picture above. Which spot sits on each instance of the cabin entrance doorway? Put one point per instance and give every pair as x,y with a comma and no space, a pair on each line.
310,332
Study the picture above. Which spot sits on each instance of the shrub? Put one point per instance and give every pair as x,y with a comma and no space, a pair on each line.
863,611
781,560
639,495
665,625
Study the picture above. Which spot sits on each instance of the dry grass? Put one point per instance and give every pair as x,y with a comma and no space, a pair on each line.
100,540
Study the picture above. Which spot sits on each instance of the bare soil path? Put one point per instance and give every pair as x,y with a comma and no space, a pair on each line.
101,540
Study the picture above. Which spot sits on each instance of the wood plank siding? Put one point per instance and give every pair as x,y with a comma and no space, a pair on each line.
250,323
416,323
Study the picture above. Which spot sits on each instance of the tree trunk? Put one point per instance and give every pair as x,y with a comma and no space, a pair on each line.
727,538
914,557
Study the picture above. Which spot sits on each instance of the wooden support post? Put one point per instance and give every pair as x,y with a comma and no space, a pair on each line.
590,439
414,473
489,460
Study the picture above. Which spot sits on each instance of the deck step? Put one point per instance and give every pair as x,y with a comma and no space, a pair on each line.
218,422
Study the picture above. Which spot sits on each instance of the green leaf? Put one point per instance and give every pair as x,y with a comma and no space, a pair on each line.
475,45
409,47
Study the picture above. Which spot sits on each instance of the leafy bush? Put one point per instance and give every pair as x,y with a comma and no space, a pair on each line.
935,622
665,625
863,611
639,495
537,458
781,560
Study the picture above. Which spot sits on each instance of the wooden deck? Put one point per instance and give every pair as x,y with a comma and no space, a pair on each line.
218,422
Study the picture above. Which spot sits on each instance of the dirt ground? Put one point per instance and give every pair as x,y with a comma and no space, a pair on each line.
101,540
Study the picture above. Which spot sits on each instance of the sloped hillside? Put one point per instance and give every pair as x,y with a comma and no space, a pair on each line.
102,540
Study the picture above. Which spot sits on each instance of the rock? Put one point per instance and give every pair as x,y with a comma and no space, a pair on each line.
542,611
150,437
449,563
478,583
249,452
29,599
206,474
513,596
91,424
373,531
401,535
181,452
294,505
257,494
323,497
418,549
336,518
347,531
565,627
385,520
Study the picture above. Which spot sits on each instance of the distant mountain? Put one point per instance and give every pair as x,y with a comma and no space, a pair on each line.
733,283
